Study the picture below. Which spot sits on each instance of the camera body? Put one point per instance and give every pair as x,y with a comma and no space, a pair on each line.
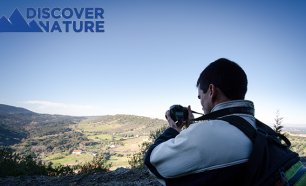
178,113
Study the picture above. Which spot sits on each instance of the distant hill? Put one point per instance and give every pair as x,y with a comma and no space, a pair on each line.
7,109
18,123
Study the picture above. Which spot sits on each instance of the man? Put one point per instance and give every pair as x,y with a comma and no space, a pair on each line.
208,152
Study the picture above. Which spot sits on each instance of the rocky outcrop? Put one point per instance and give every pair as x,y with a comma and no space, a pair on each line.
119,177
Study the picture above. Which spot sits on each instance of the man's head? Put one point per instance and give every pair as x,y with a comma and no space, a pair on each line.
222,80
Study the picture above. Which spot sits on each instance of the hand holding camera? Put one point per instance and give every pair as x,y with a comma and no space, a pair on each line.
179,116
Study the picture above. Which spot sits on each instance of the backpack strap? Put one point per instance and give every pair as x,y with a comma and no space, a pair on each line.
253,169
241,124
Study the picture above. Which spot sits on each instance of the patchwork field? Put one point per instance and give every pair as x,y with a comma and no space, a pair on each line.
117,138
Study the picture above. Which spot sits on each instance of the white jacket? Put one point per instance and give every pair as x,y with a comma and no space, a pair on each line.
203,150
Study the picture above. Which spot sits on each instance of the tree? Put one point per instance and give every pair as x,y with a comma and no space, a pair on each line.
13,164
278,123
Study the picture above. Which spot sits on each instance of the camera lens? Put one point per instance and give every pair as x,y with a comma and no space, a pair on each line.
178,113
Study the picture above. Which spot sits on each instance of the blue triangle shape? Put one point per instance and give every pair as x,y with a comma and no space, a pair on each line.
18,23
34,27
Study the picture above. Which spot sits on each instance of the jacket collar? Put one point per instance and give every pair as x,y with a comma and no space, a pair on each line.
233,103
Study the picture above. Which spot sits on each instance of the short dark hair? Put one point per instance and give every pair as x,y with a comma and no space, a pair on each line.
227,75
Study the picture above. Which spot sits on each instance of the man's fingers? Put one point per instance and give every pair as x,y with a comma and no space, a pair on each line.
190,115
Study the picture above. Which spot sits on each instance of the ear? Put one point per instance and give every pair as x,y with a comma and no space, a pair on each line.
213,91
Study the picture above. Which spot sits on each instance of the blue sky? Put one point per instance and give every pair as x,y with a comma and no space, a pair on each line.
151,54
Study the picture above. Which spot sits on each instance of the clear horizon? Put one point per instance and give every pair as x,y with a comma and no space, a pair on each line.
151,54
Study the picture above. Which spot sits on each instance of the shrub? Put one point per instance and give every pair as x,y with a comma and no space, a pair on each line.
137,159
99,163
13,164
60,170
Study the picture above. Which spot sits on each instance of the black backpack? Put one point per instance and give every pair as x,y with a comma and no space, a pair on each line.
270,156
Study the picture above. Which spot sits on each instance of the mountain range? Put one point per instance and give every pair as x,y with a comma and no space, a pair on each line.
18,123
7,109
55,137
16,23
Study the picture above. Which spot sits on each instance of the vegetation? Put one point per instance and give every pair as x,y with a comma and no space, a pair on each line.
52,138
298,144
278,123
13,164
99,163
49,150
15,127
118,135
137,159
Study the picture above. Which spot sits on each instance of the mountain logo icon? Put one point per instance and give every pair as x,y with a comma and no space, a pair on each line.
16,23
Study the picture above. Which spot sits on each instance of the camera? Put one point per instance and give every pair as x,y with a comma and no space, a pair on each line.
179,114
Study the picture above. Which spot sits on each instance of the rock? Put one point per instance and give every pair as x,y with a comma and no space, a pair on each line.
121,176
